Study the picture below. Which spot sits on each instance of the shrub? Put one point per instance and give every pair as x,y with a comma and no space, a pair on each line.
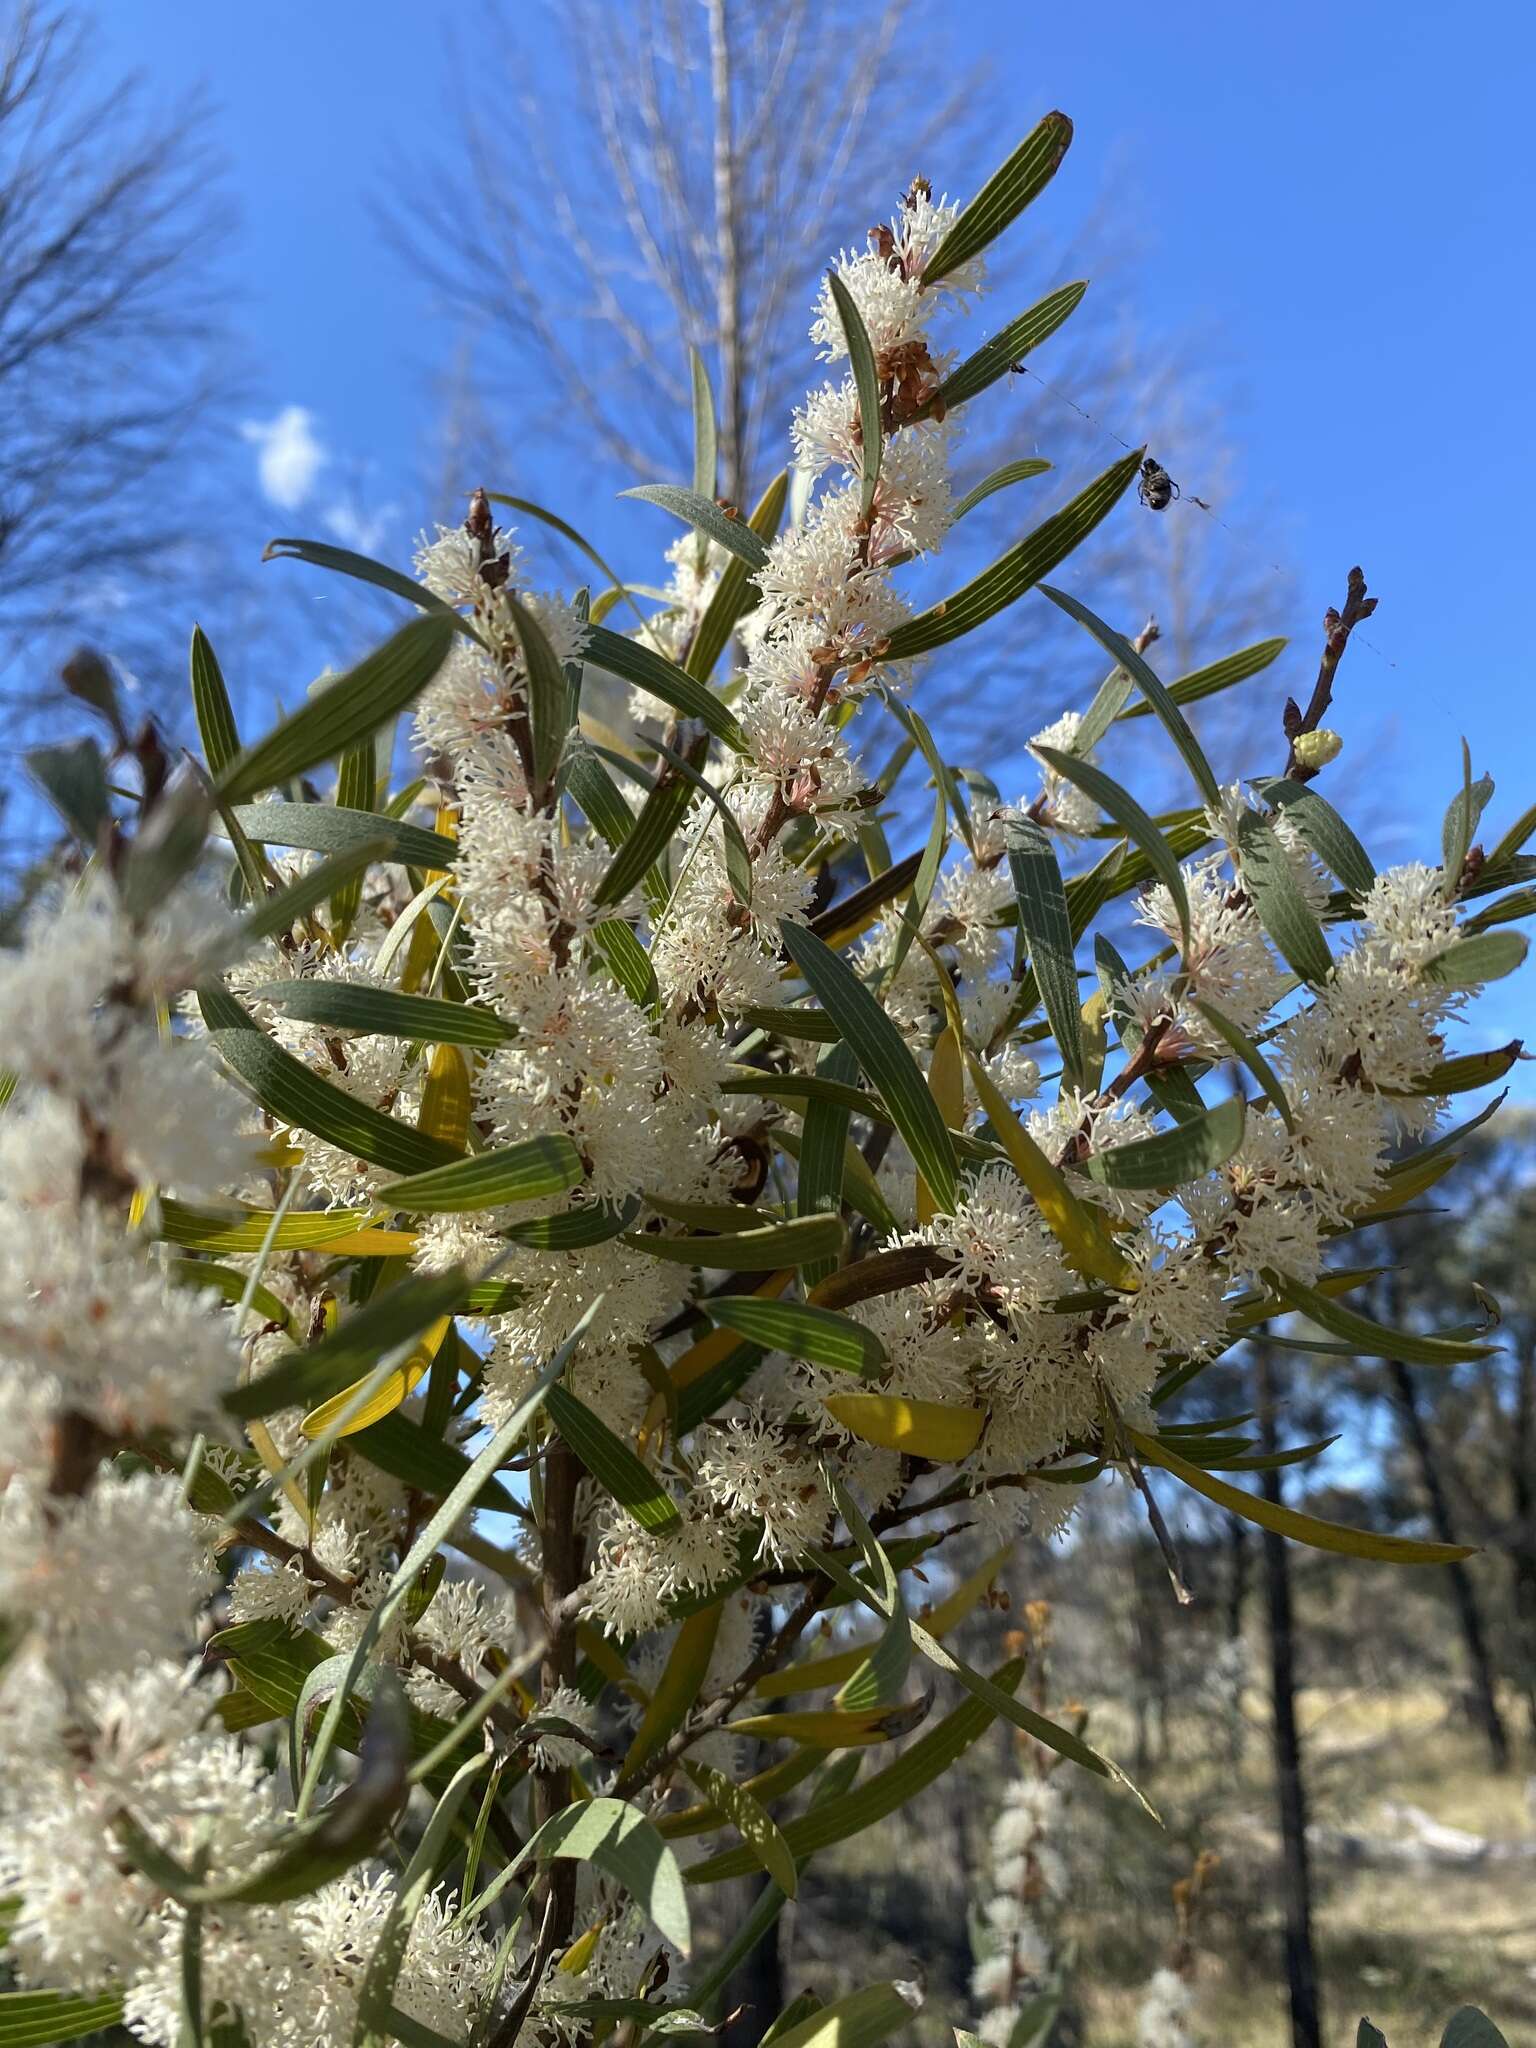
607,1133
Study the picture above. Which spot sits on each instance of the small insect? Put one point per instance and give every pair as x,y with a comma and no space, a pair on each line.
1155,487
1018,369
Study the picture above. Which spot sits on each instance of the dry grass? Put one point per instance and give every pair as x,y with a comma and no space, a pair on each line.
1404,1946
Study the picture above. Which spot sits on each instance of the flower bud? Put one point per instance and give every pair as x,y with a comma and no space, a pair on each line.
1317,749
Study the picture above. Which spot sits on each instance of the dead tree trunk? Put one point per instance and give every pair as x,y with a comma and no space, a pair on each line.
1458,1580
1290,1784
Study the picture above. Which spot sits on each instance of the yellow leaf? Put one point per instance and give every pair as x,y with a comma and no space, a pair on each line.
678,1686
1415,1179
704,1356
1076,1227
922,1429
946,1084
387,1398
836,1728
1095,1043
832,1670
1284,1521
579,1954
445,1099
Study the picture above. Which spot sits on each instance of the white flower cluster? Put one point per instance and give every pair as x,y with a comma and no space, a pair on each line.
104,1567
1023,1906
1162,2019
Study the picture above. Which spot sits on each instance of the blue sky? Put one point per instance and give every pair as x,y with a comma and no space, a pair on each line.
1336,195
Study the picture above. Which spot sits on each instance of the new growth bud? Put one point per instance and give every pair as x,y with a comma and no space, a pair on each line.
1316,749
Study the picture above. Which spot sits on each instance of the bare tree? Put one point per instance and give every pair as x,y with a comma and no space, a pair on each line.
691,200
111,356
712,154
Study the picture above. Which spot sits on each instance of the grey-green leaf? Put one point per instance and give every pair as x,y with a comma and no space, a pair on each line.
996,357
1124,809
525,1172
1141,672
1043,919
1170,1157
1323,830
1284,912
611,1461
1013,573
1011,187
704,516
348,709
866,380
883,1054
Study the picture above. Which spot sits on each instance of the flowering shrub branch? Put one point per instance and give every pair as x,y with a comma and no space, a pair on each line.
605,1133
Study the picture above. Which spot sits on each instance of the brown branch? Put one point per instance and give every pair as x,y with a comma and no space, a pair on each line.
1337,627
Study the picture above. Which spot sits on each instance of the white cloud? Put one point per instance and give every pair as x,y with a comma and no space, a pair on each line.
289,457
357,527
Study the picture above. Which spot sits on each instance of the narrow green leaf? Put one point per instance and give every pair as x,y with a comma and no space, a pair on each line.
819,1335
283,908
1283,1521
1011,187
575,1229
882,1675
704,516
1469,2028
848,1814
883,1054
624,1844
360,1341
998,1697
749,1251
999,480
1461,818
861,2020
1371,1339
626,959
1009,345
751,1821
706,459
1141,672
681,1681
30,2019
74,780
866,380
549,700
356,704
611,1462
1468,1071
211,707
660,816
1015,572
1320,825
735,593
300,1099
1245,1050
1216,676
823,1153
322,554
1043,920
350,1006
737,854
1284,912
1487,956
408,1452
1124,809
525,1172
